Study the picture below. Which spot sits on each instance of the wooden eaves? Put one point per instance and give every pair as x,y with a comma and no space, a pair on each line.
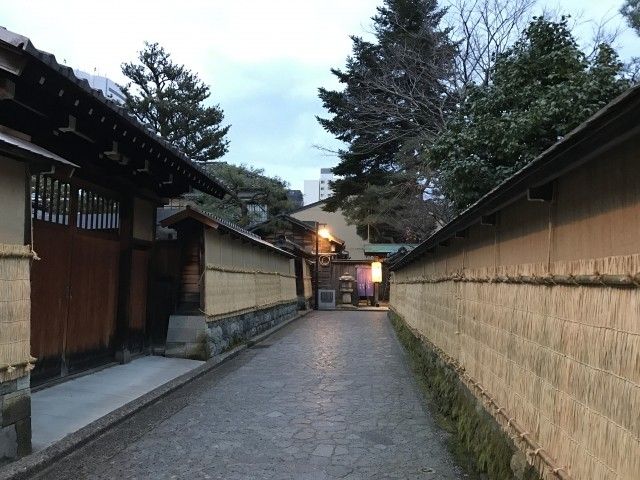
63,114
211,221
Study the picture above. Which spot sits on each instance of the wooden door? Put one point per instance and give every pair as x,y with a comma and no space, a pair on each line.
49,296
190,300
139,296
75,283
93,299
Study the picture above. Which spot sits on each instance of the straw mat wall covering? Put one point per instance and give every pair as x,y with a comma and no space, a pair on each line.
230,290
557,347
15,307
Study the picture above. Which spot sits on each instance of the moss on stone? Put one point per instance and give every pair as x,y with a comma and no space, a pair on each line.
477,439
234,342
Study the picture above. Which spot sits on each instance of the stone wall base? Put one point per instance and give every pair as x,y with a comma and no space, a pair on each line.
15,418
478,440
304,303
196,337
224,334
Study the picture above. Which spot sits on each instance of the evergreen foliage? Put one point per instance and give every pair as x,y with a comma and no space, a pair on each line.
170,100
247,185
631,10
394,99
542,88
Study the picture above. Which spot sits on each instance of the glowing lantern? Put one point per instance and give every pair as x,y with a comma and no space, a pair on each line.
376,272
324,233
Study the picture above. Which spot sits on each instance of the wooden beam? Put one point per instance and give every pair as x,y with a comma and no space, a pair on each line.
12,62
541,193
7,89
72,127
489,220
123,320
113,153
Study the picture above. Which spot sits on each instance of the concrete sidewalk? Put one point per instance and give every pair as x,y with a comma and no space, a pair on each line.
66,407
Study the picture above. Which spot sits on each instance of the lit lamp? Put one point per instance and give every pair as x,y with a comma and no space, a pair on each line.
376,272
324,232
376,279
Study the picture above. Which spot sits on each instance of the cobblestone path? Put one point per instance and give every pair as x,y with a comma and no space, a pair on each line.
329,396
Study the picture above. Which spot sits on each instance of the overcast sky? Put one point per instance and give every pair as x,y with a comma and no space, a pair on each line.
264,60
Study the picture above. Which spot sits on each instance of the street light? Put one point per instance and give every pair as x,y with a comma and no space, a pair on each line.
324,233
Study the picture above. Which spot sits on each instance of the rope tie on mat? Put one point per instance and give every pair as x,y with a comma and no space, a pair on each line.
28,365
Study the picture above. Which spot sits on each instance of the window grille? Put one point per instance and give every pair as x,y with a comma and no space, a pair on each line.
50,199
97,212
51,202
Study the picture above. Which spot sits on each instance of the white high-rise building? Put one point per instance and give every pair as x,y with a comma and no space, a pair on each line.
109,88
315,190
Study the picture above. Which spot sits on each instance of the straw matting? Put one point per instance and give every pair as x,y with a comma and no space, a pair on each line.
306,275
15,311
563,360
229,290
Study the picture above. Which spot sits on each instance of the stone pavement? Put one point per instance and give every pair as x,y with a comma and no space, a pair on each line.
329,396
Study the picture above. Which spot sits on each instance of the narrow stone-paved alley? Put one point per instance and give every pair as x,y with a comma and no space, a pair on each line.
329,396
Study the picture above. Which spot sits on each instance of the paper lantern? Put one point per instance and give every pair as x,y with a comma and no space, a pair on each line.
376,272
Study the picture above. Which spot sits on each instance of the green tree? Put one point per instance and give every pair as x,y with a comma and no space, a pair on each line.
394,99
170,99
542,87
251,194
631,10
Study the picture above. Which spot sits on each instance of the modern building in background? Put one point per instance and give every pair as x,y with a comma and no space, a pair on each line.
317,190
108,87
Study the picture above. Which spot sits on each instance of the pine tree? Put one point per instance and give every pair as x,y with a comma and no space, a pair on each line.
246,186
170,100
631,10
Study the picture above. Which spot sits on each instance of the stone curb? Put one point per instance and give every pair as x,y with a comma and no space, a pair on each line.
360,309
260,337
32,464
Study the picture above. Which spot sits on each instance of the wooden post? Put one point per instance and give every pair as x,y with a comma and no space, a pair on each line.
316,273
123,322
73,226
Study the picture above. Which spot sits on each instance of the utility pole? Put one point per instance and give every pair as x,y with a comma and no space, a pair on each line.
317,269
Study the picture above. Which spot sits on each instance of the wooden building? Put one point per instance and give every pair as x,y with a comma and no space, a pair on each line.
299,238
80,180
531,296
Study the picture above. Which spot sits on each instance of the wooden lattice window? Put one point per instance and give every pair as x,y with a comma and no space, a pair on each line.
97,212
50,199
